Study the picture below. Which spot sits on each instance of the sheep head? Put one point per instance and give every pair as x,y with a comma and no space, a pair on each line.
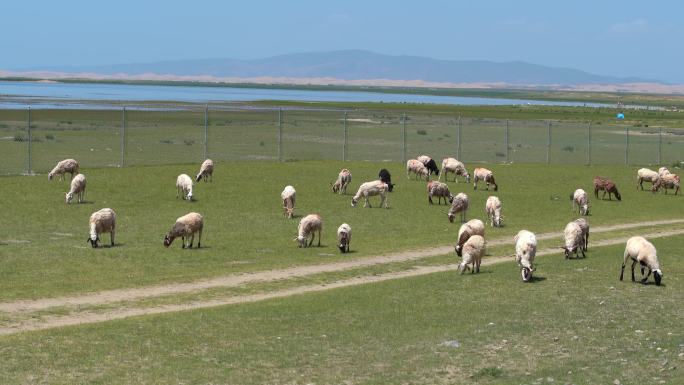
451,217
69,197
168,239
301,240
93,240
459,250
658,276
354,202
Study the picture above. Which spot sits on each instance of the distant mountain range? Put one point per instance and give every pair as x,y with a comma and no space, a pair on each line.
355,65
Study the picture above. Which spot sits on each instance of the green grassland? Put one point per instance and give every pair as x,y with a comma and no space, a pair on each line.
577,323
44,251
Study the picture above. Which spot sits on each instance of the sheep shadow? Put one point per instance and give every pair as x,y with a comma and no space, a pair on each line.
536,279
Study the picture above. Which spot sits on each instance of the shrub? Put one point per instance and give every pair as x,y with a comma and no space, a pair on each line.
500,154
188,142
166,141
49,137
569,148
421,132
19,138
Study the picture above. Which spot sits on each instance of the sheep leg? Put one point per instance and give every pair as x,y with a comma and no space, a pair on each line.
430,199
644,279
182,241
199,240
319,237
633,264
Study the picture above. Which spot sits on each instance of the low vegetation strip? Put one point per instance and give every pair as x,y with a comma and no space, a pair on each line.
111,296
48,322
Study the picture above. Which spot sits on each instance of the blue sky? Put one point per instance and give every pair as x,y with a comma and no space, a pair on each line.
620,38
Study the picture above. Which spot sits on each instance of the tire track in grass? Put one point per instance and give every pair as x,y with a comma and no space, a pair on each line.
119,295
87,317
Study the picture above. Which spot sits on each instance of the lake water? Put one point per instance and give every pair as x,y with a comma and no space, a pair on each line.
21,94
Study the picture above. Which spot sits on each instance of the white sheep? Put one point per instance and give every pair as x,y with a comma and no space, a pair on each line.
584,225
418,168
308,227
486,175
186,227
206,171
67,165
102,221
440,190
459,204
455,166
184,187
574,240
344,235
467,230
78,186
645,174
525,250
473,251
667,181
289,196
581,198
493,211
343,180
642,251
369,189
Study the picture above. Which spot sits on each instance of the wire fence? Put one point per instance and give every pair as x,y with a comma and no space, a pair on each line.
33,140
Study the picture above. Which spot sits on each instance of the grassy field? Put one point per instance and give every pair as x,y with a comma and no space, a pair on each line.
374,132
576,323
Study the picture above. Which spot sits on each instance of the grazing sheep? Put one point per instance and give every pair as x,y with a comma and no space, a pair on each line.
308,226
525,250
344,233
206,171
459,204
580,198
369,189
573,240
454,166
429,163
642,251
645,174
608,186
667,181
584,225
485,175
343,180
186,227
467,230
493,210
78,186
64,166
416,167
184,186
101,221
473,251
439,190
386,178
289,196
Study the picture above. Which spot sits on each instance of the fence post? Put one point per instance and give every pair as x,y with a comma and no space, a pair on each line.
458,140
344,146
548,141
29,169
660,145
507,141
403,136
280,135
626,146
123,136
589,144
206,133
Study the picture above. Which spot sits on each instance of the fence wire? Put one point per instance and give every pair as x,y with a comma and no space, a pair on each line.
33,140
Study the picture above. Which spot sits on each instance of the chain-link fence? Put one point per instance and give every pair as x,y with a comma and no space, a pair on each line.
33,140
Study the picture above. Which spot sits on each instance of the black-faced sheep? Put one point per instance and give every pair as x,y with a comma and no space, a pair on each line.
486,175
344,234
525,251
574,241
186,227
102,221
642,251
